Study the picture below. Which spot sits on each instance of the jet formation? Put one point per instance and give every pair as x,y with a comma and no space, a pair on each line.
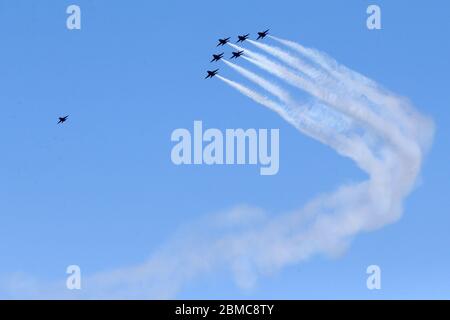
235,54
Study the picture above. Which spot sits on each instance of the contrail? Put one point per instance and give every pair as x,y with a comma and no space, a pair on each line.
289,59
384,135
356,83
254,96
394,146
408,150
251,243
286,99
299,117
393,123
282,94
312,119
337,99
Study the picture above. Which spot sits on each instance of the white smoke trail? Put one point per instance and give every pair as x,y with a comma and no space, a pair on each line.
362,113
337,99
300,116
396,149
255,96
280,93
306,109
250,243
398,124
289,59
357,84
313,119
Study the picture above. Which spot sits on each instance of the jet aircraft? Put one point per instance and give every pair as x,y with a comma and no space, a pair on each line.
243,37
62,119
212,73
237,54
217,57
223,42
262,35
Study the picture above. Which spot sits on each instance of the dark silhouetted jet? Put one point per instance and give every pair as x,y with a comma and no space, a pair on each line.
212,73
262,35
217,57
223,42
243,38
62,119
237,54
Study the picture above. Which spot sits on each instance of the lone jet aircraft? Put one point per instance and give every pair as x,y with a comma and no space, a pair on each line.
262,35
243,38
212,73
62,119
237,54
223,42
217,57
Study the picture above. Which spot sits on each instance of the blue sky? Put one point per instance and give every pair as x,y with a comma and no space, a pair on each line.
101,191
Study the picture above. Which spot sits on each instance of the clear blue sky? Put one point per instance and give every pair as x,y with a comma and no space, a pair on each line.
101,191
